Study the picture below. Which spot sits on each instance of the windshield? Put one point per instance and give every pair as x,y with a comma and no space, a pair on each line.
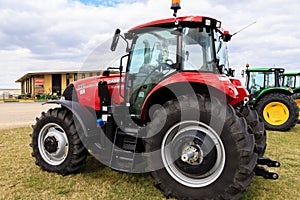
292,81
260,80
297,81
289,81
158,47
198,53
152,49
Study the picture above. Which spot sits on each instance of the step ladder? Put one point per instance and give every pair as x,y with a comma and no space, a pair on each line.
124,149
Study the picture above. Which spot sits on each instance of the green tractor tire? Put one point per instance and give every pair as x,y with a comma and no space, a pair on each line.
278,111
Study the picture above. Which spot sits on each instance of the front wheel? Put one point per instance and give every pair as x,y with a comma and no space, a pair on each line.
56,144
201,151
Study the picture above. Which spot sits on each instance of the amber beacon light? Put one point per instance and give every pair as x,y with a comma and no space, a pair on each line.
175,5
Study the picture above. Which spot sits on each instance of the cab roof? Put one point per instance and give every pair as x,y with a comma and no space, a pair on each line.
164,23
265,69
291,73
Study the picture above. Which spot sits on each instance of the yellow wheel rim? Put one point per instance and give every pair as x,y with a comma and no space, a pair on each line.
276,113
298,103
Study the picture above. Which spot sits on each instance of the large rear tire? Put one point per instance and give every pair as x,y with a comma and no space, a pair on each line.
278,111
207,157
56,144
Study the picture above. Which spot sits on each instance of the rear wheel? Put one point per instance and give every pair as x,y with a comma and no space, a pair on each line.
208,157
55,142
278,111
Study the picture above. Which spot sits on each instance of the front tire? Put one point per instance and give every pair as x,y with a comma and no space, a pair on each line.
278,111
56,144
208,157
255,127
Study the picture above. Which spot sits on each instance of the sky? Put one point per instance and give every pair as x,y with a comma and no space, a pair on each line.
61,35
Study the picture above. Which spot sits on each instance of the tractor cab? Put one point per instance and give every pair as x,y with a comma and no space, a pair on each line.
291,79
272,101
259,79
161,49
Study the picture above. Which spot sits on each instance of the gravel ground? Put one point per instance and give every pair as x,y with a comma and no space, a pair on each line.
14,115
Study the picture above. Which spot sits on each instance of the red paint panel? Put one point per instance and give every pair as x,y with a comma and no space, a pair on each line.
171,20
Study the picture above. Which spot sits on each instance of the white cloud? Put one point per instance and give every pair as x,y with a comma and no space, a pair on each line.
44,35
15,63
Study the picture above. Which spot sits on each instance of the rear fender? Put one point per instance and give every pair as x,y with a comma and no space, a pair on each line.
296,90
163,93
271,90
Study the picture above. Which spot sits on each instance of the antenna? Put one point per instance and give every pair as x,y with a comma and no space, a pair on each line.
244,28
227,37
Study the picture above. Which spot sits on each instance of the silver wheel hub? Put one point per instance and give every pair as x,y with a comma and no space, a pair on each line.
193,154
53,144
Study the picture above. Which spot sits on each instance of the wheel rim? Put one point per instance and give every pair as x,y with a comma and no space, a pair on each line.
276,113
53,144
298,104
193,154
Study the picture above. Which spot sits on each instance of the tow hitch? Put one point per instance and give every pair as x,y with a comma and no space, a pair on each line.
262,171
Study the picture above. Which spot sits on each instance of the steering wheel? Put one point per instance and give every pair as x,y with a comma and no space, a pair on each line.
255,86
167,64
169,61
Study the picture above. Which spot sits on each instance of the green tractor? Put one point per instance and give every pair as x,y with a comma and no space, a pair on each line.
273,102
292,79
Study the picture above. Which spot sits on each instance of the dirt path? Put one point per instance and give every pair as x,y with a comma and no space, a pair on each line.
14,115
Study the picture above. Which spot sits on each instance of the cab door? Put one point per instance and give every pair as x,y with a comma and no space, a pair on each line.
152,56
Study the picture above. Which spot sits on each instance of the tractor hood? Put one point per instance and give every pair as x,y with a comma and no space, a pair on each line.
87,90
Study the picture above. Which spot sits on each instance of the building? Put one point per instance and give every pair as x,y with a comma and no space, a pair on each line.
53,83
6,93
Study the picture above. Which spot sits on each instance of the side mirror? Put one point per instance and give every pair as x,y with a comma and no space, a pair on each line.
115,40
226,36
221,69
106,73
231,72
243,73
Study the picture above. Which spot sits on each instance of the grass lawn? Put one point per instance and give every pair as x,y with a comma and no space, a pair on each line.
20,178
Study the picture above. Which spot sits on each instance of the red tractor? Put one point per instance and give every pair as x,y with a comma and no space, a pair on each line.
169,111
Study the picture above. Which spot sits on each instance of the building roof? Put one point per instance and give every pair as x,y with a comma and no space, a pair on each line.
31,74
